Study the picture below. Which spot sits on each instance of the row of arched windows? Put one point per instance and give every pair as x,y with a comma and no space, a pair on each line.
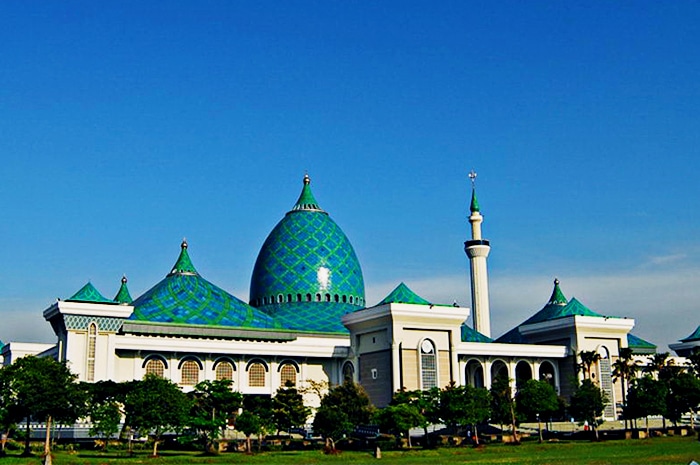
190,371
281,298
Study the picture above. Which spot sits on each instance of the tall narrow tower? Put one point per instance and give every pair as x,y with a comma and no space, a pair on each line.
477,250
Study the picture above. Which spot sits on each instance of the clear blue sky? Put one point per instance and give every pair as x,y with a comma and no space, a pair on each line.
128,125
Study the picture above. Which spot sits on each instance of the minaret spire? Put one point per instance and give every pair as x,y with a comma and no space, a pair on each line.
477,250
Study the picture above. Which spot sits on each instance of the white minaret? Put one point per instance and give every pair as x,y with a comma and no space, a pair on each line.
477,250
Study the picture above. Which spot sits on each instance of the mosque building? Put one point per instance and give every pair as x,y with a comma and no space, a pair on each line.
307,319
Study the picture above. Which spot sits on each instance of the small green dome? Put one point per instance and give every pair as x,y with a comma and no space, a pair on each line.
307,274
184,297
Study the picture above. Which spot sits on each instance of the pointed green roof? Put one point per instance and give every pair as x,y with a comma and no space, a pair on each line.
469,334
306,201
183,265
557,307
474,207
123,296
639,345
693,337
184,297
558,297
88,293
402,294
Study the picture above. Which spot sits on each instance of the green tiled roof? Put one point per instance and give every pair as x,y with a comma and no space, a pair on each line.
306,200
323,317
557,307
469,334
693,337
123,296
88,293
639,345
308,266
183,263
183,296
558,297
402,294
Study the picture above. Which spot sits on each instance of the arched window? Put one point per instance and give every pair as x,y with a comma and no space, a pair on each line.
351,299
318,297
606,382
288,373
348,372
428,364
92,343
189,373
328,297
224,370
547,373
155,366
523,373
308,297
256,375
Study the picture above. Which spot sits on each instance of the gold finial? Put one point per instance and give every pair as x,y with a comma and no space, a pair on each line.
184,243
124,280
307,179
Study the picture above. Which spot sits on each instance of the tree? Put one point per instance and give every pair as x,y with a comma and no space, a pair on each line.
105,407
646,396
156,405
625,369
503,409
694,361
587,404
683,396
399,419
462,406
588,359
248,423
332,423
535,399
353,400
426,402
7,422
288,409
214,403
42,389
261,407
342,408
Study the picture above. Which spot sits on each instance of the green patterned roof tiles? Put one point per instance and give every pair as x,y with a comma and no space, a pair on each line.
88,293
183,263
693,337
469,334
558,297
636,342
183,296
123,296
306,200
308,266
402,294
557,307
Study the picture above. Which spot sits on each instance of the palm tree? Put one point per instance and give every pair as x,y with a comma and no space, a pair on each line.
588,359
625,369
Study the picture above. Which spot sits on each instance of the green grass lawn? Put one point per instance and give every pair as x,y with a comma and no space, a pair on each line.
670,450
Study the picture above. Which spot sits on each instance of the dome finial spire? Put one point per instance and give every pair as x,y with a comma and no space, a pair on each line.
183,265
474,206
306,201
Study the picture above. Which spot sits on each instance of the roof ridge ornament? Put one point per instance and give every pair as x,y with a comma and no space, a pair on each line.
183,265
474,206
306,201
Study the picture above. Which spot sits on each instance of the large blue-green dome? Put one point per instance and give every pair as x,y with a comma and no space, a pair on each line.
307,274
184,297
